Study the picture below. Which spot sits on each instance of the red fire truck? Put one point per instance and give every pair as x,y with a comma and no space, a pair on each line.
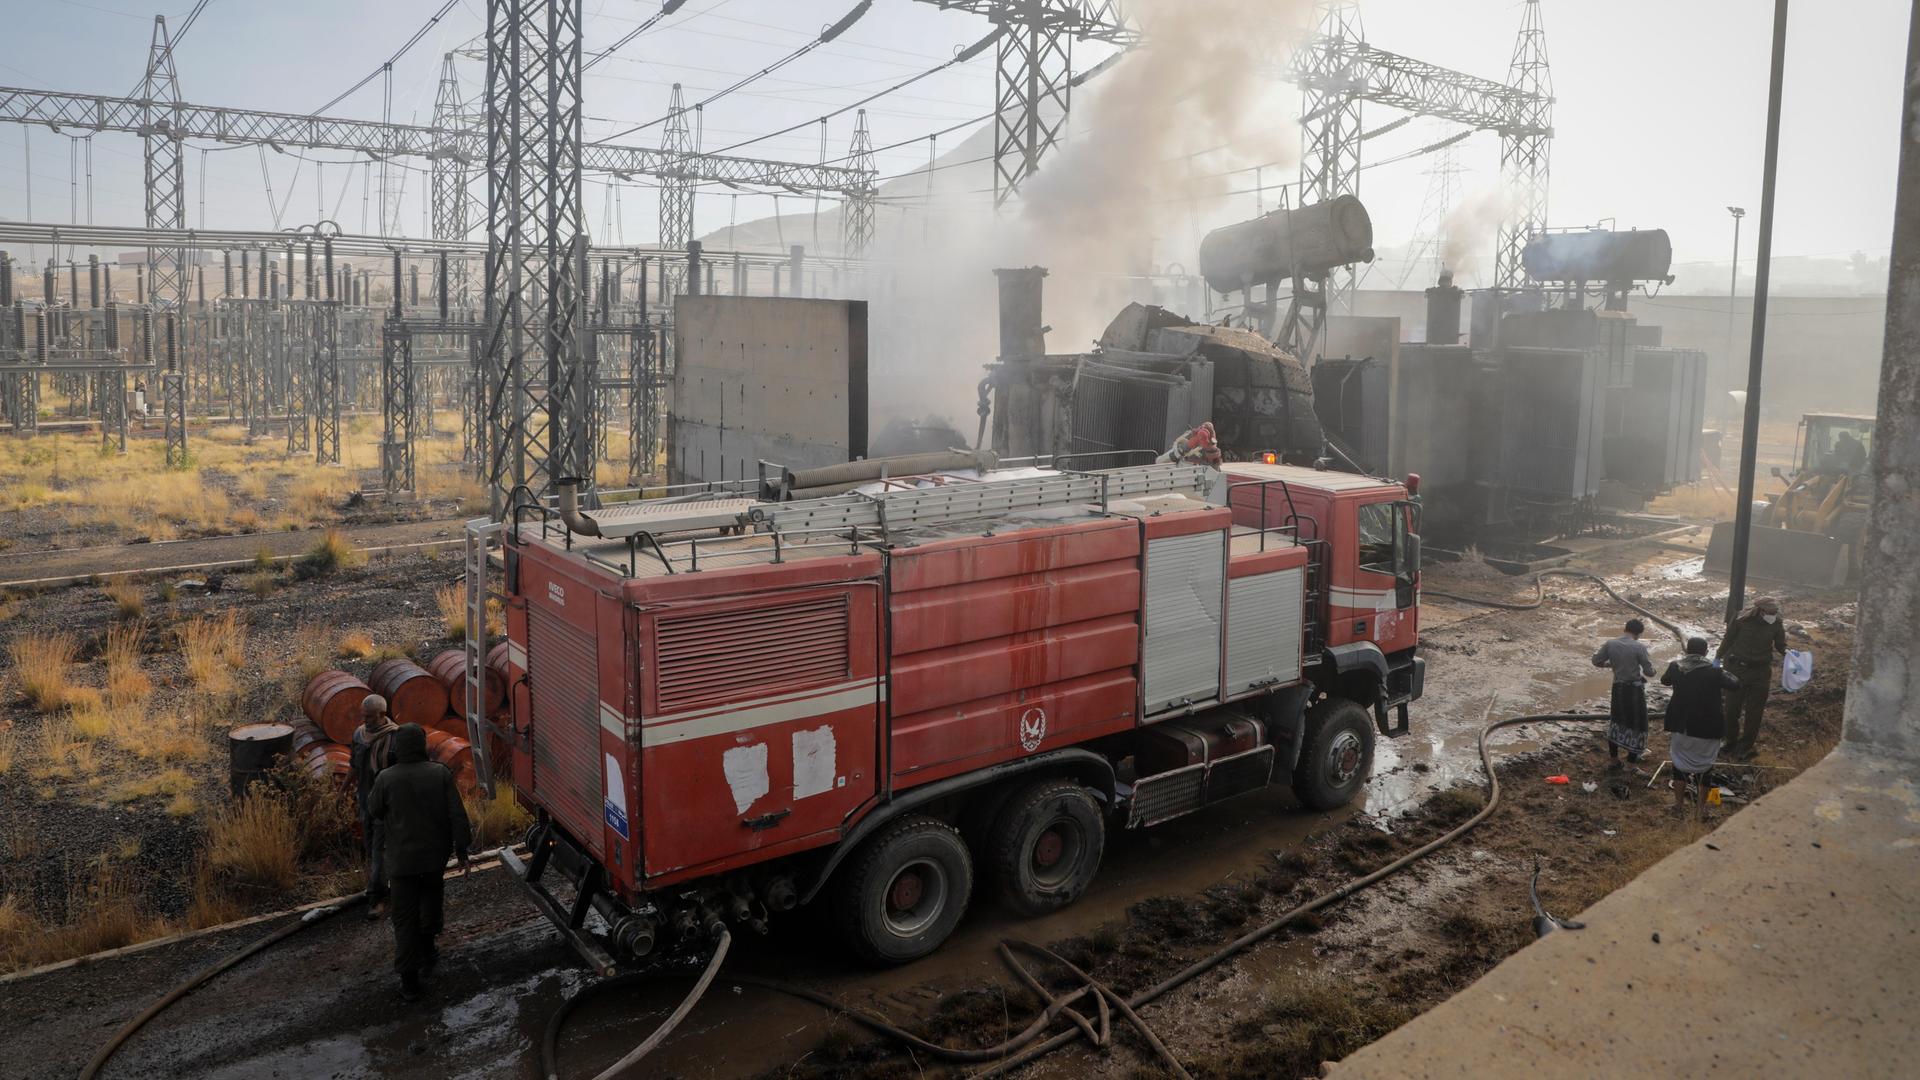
721,707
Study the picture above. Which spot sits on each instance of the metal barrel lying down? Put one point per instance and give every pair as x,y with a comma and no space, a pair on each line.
413,695
450,668
332,700
500,663
453,752
253,751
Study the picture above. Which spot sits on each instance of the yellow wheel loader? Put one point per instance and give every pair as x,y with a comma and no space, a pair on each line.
1810,534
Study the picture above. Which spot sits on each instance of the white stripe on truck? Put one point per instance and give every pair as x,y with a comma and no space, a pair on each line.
747,715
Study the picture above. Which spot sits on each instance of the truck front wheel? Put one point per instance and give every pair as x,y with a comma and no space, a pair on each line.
904,890
1047,845
1336,756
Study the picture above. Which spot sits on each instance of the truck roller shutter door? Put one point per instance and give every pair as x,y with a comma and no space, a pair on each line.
1263,630
1185,591
561,674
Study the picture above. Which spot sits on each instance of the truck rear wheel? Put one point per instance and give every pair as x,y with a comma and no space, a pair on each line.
1336,756
904,890
1047,845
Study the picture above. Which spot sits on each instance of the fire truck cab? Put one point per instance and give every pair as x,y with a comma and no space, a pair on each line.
890,700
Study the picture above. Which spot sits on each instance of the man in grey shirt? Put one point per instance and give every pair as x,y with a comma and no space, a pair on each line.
1627,717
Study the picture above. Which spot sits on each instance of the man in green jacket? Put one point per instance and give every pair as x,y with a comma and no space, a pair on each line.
1747,652
424,823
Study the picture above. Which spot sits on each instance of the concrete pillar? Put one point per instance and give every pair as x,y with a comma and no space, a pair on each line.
1883,693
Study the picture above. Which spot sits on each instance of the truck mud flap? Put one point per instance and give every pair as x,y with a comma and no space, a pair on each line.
570,921
1168,795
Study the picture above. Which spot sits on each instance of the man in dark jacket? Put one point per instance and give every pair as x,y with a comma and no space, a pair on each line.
1747,652
371,752
1694,724
425,822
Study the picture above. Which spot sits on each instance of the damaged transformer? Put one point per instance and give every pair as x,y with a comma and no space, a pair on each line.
1153,375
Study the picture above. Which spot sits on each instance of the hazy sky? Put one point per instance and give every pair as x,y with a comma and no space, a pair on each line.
1659,117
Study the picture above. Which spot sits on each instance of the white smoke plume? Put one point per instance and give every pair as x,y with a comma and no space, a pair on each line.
1468,232
1154,146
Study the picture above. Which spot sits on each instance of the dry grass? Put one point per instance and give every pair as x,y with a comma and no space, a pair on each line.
102,914
497,821
126,597
161,505
313,650
90,720
41,662
213,646
126,683
212,905
254,844
333,551
64,754
1697,502
159,736
452,602
357,645
172,784
9,747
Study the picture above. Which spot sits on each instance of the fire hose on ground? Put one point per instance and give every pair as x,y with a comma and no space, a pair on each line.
1029,1045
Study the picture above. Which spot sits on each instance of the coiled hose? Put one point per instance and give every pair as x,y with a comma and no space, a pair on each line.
1029,1045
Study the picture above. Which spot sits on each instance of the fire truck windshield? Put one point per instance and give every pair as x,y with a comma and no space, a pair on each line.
1378,525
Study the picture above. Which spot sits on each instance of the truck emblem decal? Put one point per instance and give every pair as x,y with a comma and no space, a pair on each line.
1033,728
556,594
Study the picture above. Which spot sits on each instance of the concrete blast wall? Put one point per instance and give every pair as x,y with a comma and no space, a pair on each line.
765,378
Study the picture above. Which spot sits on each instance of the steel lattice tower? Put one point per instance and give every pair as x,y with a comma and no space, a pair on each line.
676,192
856,216
451,173
1524,154
1443,186
536,243
1033,73
1330,120
165,168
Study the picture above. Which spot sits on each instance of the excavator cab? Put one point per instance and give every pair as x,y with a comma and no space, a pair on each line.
1811,533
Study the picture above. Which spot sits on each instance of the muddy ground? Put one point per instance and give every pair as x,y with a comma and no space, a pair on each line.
323,1003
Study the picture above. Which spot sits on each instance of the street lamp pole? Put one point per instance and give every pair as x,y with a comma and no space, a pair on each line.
1733,292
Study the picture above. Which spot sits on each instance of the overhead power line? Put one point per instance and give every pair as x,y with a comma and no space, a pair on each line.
960,57
431,22
666,9
832,31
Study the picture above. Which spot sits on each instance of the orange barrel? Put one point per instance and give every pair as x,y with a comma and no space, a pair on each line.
498,664
333,701
453,752
305,734
413,696
340,763
312,758
450,667
253,750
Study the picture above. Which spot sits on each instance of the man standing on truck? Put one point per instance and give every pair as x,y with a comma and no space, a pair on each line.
371,752
425,821
1747,651
1627,713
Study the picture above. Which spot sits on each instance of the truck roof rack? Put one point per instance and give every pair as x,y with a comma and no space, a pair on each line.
962,502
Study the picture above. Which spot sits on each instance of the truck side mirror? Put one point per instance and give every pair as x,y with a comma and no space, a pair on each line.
1413,557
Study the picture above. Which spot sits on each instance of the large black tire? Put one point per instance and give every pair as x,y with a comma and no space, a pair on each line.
1046,845
904,891
1336,756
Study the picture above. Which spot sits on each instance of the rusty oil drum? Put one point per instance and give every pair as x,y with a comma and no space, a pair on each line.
413,696
453,752
450,668
499,664
332,700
